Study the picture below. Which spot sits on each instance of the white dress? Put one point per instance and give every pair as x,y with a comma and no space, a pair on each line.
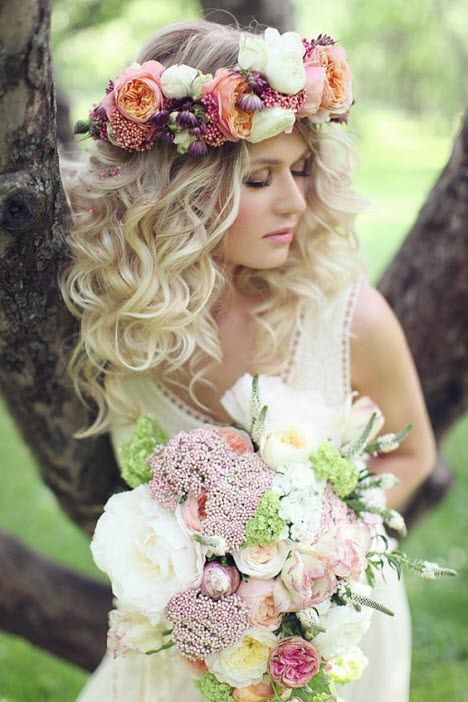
319,360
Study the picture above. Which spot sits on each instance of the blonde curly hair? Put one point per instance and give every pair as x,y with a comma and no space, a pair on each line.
144,278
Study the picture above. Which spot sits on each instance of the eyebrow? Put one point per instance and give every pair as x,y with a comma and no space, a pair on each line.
276,161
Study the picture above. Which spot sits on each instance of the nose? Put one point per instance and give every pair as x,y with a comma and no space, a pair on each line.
291,195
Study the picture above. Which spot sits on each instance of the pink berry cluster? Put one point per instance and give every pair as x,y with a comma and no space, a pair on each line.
190,463
202,626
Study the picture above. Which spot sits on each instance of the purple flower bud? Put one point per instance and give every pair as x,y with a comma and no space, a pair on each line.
198,131
166,136
249,103
159,119
110,87
186,119
100,113
219,580
258,82
198,148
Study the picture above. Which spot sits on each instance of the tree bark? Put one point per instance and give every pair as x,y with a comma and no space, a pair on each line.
51,606
244,12
427,286
35,326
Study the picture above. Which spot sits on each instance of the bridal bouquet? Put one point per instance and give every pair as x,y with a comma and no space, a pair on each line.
253,549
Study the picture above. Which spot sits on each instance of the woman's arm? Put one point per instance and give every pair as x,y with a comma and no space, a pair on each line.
383,368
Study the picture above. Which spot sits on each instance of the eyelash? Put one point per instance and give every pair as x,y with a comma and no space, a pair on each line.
265,183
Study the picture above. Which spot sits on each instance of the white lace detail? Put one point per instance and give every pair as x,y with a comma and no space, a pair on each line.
346,337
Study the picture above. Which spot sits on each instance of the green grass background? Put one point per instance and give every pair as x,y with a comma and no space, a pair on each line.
400,160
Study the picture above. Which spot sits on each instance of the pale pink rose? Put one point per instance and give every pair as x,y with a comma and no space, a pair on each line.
294,662
345,549
315,81
137,92
337,94
308,579
193,511
227,87
253,693
259,598
239,441
358,417
262,562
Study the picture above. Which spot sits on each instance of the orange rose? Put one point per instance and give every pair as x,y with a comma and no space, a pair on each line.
253,693
227,86
337,92
136,93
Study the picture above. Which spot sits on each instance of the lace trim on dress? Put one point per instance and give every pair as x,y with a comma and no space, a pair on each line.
346,336
185,409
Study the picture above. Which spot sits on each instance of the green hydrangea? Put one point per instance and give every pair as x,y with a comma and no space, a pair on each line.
266,525
134,453
213,690
328,464
348,668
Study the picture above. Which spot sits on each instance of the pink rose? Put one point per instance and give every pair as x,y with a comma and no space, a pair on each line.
345,549
253,693
337,94
238,441
308,579
219,580
315,80
294,662
136,92
259,598
227,87
193,511
198,667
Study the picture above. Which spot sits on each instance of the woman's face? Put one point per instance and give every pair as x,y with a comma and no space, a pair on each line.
271,204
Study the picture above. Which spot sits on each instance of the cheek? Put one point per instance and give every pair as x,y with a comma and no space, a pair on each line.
247,217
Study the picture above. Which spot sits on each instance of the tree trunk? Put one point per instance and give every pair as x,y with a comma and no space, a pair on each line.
427,286
35,327
51,606
264,12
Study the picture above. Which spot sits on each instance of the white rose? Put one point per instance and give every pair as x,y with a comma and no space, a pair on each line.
270,122
354,416
130,633
285,72
237,400
176,81
246,662
290,443
253,53
344,628
146,552
262,562
289,41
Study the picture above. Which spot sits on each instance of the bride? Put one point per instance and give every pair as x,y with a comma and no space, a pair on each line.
202,250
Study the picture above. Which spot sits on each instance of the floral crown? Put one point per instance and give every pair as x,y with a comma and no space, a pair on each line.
278,78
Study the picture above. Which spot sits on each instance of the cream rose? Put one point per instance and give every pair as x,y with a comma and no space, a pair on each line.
244,663
130,633
285,72
344,628
288,444
177,80
270,122
253,53
146,552
262,562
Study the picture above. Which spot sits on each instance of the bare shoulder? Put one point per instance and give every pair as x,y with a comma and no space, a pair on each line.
377,341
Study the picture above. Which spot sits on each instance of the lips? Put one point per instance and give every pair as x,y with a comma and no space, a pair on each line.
281,236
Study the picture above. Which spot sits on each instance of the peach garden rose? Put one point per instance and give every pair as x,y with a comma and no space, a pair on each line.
136,92
227,87
337,91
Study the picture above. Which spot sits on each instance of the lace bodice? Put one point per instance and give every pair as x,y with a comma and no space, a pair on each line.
319,360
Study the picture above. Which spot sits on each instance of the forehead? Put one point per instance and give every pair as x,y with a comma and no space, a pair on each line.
283,147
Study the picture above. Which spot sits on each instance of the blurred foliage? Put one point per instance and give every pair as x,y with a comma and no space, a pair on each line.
412,55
